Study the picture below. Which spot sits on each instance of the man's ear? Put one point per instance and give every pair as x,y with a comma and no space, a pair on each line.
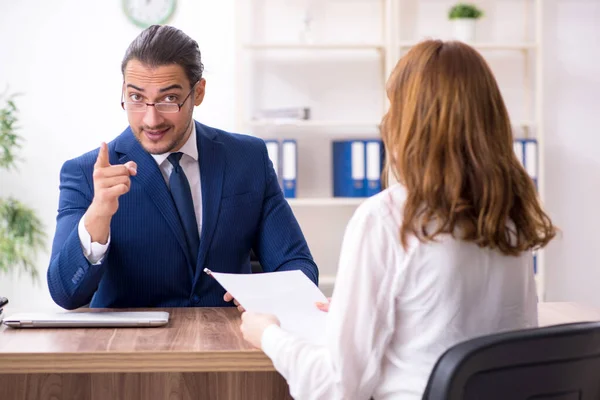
199,92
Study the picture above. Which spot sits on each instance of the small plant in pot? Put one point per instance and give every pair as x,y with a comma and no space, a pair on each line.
21,231
464,17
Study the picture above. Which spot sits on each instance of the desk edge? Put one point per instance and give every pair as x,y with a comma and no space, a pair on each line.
216,361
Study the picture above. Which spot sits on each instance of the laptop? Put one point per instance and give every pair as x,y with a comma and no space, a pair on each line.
100,319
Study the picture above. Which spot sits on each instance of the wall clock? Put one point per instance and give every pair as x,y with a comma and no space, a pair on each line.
144,13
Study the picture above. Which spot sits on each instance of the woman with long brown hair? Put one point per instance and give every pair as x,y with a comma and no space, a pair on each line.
438,258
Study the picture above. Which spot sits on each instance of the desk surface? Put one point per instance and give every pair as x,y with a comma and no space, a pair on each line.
195,340
564,313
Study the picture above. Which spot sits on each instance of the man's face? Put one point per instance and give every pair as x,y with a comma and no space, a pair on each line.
160,132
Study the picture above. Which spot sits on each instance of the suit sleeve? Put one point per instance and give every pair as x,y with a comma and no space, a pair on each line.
280,244
72,280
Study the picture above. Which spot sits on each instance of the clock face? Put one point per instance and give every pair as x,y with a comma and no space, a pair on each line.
144,13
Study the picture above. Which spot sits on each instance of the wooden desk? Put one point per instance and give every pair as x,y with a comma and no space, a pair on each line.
199,355
564,313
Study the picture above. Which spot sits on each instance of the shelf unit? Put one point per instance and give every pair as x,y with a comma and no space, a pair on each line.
260,45
524,46
316,124
322,217
327,280
326,202
315,46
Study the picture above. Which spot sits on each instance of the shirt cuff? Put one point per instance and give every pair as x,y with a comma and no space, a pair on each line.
93,251
271,340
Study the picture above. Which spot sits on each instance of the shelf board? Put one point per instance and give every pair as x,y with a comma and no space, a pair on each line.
289,123
523,123
316,124
326,201
328,280
486,45
315,46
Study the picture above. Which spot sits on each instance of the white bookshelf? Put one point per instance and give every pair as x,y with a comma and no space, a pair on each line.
327,279
327,202
315,46
326,283
267,41
525,46
316,124
313,124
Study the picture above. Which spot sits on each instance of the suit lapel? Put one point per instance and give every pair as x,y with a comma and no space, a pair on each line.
211,158
152,180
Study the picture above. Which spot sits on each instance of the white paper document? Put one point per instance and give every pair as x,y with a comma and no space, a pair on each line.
290,295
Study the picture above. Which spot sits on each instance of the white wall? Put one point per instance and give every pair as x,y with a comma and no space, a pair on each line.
572,123
65,57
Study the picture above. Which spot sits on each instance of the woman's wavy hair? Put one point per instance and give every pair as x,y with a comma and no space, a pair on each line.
449,141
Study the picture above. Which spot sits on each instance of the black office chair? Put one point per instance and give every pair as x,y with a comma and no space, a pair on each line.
255,263
559,362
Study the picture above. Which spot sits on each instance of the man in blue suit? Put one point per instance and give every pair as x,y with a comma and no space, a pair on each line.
140,218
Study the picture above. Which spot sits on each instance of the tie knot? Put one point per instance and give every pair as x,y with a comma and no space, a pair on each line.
174,159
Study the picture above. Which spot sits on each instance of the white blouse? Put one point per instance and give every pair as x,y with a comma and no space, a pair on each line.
394,312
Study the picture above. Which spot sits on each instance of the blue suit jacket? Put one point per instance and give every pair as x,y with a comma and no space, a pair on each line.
146,264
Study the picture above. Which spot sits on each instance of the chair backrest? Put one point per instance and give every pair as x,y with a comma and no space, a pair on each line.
255,263
560,362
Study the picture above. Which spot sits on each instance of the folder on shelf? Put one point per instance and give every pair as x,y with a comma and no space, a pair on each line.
273,152
349,168
374,166
526,151
519,151
290,166
530,157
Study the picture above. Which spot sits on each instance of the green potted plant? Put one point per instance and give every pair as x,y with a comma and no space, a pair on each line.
21,231
463,17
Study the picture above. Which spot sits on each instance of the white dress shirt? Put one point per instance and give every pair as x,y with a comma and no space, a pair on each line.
94,251
394,312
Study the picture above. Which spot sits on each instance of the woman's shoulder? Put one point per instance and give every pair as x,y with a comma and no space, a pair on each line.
388,202
384,208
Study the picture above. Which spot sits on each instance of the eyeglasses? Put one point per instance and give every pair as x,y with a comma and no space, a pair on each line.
136,106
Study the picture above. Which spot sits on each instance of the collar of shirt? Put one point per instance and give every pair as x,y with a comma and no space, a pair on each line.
190,148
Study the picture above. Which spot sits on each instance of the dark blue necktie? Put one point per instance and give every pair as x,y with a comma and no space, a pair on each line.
182,195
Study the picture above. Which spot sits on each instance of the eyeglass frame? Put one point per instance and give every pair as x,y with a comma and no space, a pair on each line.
179,105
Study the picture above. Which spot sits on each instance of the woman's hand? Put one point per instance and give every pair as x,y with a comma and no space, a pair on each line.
324,306
254,324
